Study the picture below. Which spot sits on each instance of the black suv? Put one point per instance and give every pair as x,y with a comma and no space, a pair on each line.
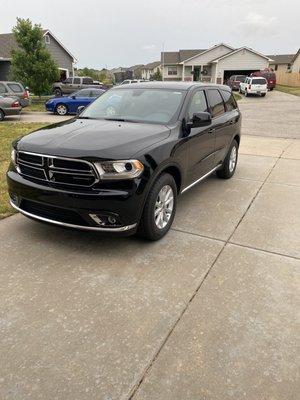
120,165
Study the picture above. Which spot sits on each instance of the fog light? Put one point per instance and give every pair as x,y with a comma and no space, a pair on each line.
111,220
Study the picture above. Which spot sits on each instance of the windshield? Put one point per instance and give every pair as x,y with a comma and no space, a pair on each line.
137,105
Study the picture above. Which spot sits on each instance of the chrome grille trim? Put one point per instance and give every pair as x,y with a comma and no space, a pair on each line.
46,166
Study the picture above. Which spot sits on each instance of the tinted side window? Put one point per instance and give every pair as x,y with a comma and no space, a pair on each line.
87,81
2,88
229,100
216,102
69,80
198,104
76,81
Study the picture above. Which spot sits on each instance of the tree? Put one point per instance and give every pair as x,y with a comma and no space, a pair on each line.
157,76
31,63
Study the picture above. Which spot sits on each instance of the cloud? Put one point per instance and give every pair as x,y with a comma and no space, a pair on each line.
258,24
148,47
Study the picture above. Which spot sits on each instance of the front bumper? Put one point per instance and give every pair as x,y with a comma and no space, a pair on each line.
77,209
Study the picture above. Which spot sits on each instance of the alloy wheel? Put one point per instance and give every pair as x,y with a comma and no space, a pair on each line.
232,159
164,205
61,109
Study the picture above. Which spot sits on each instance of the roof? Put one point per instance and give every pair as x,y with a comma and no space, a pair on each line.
152,65
175,57
171,85
282,58
295,56
8,43
237,50
134,67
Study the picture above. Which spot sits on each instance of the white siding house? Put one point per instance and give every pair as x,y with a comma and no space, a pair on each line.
215,64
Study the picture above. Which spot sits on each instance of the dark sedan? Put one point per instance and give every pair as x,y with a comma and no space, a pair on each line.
69,104
120,166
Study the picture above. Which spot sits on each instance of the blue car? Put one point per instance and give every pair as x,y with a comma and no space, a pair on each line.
70,104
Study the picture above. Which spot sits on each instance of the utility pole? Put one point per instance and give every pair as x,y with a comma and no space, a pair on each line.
163,61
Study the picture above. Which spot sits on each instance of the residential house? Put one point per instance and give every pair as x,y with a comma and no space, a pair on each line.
63,58
281,62
215,64
148,70
296,62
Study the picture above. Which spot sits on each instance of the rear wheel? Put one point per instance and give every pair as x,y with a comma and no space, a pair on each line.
61,109
246,93
159,210
263,94
2,115
229,164
57,92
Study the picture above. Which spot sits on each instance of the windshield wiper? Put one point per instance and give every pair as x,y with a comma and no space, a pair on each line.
120,119
83,117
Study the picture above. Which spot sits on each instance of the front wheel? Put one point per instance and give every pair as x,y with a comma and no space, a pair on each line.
2,115
159,210
246,93
229,164
61,109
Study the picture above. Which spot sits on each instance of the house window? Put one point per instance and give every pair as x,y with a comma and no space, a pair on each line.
172,70
288,67
47,39
276,67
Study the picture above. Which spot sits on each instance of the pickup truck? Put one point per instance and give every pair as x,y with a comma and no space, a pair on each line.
75,83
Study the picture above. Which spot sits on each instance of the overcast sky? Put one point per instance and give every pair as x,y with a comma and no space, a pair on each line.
122,33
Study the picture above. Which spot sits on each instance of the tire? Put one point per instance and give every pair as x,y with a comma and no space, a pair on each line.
271,89
228,167
2,115
263,94
240,90
246,93
57,92
151,218
61,109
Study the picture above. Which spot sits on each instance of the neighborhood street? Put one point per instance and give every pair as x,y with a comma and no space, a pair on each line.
207,313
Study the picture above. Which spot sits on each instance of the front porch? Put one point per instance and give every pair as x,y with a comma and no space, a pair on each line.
197,73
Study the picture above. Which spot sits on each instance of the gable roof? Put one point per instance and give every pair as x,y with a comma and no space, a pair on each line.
295,56
211,48
238,50
282,58
8,43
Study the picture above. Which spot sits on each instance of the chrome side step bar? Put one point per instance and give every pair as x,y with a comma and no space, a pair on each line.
200,179
85,228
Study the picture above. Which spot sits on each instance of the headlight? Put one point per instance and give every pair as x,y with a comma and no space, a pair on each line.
124,169
13,156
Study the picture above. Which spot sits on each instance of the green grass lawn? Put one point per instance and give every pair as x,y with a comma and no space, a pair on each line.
289,89
8,132
237,96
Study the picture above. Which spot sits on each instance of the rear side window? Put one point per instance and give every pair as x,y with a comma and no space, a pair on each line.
229,100
87,81
198,104
2,88
15,87
76,81
259,81
216,102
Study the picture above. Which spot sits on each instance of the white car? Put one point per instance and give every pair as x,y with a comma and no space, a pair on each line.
128,81
254,85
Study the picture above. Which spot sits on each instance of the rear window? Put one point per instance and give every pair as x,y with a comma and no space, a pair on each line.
15,87
259,81
240,78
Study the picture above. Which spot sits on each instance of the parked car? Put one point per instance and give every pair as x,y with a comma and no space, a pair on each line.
252,85
235,80
15,89
75,83
70,104
269,75
122,173
127,81
9,106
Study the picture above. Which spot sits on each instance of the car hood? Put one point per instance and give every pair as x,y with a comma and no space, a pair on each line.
93,139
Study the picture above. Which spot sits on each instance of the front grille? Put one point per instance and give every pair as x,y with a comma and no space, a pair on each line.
57,171
52,212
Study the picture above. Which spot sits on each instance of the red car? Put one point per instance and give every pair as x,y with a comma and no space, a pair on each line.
270,76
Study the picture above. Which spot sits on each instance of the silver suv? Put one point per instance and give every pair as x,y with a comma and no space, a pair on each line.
16,90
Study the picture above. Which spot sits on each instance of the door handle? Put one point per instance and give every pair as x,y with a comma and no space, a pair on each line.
211,130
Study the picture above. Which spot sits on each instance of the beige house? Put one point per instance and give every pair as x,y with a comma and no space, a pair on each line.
281,62
215,64
148,70
296,62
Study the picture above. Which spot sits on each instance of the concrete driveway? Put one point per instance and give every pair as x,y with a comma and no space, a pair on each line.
32,116
209,312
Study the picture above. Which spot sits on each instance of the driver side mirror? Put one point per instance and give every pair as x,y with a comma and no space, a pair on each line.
80,109
73,97
200,119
